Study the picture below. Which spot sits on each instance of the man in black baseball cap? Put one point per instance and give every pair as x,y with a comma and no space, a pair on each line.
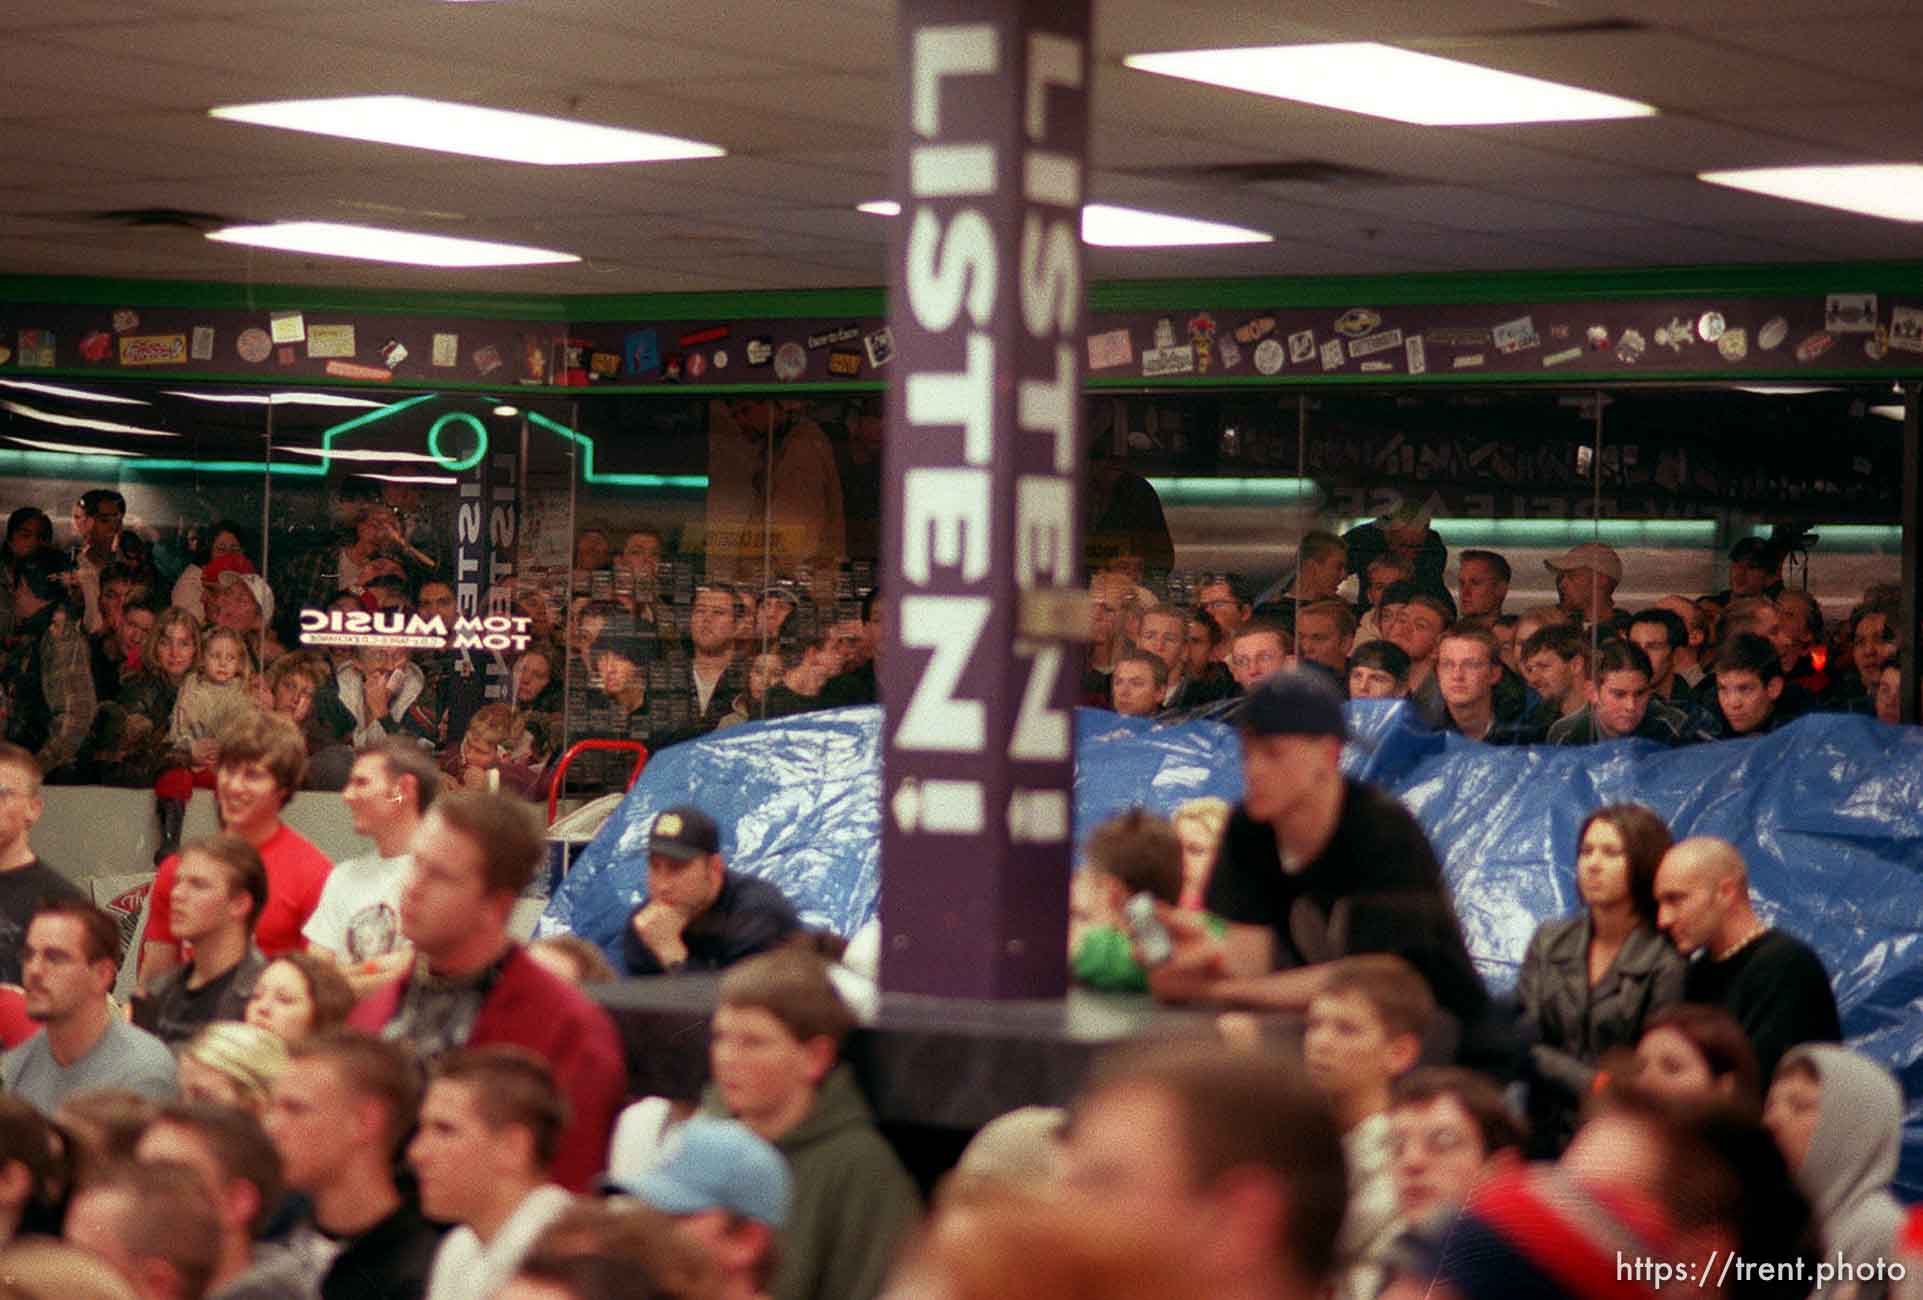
1315,866
699,915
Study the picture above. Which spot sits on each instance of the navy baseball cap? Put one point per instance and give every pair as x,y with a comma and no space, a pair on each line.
1294,702
683,832
716,1164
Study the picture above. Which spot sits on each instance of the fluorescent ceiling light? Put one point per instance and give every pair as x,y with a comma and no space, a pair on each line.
341,454
273,399
373,244
507,412
1383,81
78,394
466,129
1108,226
1888,412
26,412
1780,390
1893,191
410,478
75,448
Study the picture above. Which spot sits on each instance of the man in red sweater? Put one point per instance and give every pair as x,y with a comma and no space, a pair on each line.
471,985
262,763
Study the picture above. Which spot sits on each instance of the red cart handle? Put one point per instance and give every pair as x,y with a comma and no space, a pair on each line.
635,747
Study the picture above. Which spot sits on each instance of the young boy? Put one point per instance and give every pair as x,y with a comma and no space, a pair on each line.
1365,1029
775,1049
1132,854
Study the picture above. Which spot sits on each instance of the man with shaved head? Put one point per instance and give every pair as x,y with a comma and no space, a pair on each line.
1772,982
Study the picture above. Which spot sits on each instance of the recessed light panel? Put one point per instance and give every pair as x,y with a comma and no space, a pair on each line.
1384,81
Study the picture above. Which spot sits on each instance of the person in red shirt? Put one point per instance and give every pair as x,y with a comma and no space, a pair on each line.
471,985
262,761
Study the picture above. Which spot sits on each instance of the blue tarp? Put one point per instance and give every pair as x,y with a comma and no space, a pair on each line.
1828,812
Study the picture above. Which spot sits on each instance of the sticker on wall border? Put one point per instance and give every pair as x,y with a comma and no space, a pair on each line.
1373,366
201,346
447,350
287,326
1733,344
828,338
1597,337
326,341
761,351
1301,347
1357,321
642,352
1456,336
791,362
695,338
96,345
1630,347
1175,360
284,356
1710,326
393,352
720,360
1468,361
1251,332
126,320
350,370
1418,354
1518,335
603,366
1815,346
1230,352
487,359
1332,355
844,363
696,365
253,345
1561,358
1906,329
880,347
153,350
1849,313
1268,356
36,349
1370,344
1109,350
1676,335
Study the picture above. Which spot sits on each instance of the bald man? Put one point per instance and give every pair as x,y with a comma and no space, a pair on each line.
1772,982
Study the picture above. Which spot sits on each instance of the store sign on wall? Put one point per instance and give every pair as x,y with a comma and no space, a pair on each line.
400,630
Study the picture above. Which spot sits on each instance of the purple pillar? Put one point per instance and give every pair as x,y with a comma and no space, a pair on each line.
984,472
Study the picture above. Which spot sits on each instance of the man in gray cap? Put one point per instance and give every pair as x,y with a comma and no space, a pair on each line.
1314,866
729,1192
699,915
1586,580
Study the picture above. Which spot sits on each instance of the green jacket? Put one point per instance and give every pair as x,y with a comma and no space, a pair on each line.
854,1205
1105,958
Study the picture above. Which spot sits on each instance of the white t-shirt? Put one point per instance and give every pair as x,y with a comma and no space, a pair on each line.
464,1269
359,913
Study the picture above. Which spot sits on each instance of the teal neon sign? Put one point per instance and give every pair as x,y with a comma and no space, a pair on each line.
457,418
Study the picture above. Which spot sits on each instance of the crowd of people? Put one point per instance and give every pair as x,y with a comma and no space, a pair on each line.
1373,610
348,1080
123,660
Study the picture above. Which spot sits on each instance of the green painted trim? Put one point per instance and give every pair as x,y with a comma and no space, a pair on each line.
216,295
1554,376
409,383
1517,287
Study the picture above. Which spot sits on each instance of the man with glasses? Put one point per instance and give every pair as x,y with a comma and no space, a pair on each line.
1227,601
24,879
1466,673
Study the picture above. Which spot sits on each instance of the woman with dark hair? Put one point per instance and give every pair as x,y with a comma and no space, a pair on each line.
1589,981
1692,1052
28,529
130,732
217,541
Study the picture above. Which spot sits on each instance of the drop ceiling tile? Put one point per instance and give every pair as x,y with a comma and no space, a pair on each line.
77,72
841,36
1668,69
1670,143
549,43
1886,132
1885,48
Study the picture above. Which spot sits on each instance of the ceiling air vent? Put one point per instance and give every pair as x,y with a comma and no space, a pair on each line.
162,218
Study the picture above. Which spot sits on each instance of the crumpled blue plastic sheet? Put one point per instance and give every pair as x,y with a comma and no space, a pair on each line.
1828,812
